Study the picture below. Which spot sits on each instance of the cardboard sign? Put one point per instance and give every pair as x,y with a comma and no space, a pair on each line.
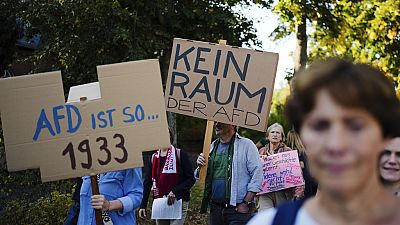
221,83
92,136
281,171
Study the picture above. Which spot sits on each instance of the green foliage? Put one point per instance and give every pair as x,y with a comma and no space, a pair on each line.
317,11
277,108
8,33
78,35
369,33
44,211
21,191
364,31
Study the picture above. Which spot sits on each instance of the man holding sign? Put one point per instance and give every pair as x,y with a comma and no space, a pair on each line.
233,177
230,85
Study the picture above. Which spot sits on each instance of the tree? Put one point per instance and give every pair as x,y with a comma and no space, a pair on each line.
364,31
368,32
78,35
294,16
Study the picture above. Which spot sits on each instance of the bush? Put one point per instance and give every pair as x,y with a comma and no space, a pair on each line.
46,210
24,199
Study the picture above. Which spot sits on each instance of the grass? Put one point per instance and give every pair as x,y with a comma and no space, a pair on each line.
193,216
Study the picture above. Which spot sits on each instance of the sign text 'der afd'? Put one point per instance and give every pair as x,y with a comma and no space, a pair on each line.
221,83
94,136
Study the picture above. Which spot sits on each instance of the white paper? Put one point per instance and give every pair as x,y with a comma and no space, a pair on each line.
161,209
91,91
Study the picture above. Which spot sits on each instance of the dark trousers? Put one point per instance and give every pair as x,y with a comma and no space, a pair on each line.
72,216
227,216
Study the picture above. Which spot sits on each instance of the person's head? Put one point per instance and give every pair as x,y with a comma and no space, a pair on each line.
275,133
345,113
293,141
389,163
224,131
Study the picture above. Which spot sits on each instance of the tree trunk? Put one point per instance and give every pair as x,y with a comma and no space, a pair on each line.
164,64
172,125
300,54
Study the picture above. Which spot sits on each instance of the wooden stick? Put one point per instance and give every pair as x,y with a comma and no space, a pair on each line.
206,149
207,141
95,191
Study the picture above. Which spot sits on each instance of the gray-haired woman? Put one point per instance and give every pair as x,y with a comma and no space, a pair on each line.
276,137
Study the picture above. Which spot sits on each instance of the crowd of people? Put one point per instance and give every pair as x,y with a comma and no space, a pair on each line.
347,116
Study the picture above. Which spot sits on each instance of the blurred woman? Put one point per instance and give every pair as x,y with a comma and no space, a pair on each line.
389,166
276,137
309,189
345,113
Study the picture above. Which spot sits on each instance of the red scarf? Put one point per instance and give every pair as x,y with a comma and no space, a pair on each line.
166,178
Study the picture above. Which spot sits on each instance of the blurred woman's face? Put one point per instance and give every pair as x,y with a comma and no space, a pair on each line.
275,135
342,144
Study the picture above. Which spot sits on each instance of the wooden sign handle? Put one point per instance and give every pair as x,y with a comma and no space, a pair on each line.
207,140
206,150
95,191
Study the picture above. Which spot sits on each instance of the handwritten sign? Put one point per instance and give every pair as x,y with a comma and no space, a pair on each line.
221,83
281,171
79,138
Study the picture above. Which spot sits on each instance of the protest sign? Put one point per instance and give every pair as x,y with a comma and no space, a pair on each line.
80,138
281,171
221,83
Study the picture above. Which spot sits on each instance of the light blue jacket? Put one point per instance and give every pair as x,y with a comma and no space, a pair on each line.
246,169
124,185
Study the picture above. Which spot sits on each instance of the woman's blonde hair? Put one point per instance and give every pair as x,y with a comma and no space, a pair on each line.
280,128
293,141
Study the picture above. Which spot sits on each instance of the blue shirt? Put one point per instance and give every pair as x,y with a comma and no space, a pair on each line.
124,185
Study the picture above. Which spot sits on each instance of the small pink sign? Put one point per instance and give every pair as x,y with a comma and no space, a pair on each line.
281,171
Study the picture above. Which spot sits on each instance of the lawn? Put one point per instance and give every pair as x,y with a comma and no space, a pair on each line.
193,217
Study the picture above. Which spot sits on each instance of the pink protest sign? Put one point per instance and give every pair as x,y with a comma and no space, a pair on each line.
281,171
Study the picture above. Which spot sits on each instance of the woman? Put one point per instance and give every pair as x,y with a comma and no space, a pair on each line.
389,166
120,195
275,136
310,187
345,113
174,182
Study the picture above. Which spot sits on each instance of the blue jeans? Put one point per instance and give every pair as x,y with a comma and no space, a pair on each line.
227,216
